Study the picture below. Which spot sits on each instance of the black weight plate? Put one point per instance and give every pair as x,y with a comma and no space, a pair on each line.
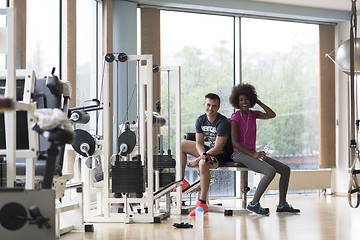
9,214
129,138
82,136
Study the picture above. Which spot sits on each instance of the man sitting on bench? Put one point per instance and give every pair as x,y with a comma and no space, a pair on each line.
214,127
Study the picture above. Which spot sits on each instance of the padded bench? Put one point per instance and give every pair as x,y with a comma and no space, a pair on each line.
229,166
244,175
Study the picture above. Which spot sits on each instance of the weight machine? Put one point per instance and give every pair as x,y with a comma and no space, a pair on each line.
175,84
41,148
43,159
129,176
14,203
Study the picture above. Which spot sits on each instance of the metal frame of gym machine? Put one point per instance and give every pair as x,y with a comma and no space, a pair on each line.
27,104
102,211
177,85
28,197
10,31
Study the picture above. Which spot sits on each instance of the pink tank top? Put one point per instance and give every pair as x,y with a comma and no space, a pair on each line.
247,128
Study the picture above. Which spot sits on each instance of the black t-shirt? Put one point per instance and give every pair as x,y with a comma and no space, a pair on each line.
220,127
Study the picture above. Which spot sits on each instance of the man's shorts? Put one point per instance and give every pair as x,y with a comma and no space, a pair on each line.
222,158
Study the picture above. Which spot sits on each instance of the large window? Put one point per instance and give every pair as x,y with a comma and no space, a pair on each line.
281,59
203,45
86,58
43,44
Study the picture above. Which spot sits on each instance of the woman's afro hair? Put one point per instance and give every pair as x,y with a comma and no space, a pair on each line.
243,89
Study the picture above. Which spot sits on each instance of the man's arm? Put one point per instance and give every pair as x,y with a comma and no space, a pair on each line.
200,143
220,142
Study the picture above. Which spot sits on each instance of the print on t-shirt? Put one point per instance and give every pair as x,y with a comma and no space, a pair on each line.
211,133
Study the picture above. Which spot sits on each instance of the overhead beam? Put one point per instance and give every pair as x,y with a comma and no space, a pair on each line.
254,8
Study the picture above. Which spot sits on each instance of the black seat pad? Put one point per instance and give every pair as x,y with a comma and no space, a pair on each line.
233,164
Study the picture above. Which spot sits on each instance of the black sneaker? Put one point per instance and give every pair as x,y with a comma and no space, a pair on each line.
258,209
287,208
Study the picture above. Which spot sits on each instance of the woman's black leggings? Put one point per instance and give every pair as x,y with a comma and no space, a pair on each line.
268,167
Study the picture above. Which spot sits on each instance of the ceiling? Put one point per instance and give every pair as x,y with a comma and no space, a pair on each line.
330,11
344,5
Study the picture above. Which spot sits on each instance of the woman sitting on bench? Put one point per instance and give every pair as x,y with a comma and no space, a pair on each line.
243,136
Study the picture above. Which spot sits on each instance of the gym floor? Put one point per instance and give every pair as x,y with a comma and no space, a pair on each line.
324,217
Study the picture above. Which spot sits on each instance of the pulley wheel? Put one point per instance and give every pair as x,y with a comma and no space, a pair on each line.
129,138
122,57
83,137
13,216
155,68
109,57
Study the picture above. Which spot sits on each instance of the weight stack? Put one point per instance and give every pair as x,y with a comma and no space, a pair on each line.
164,161
128,177
166,178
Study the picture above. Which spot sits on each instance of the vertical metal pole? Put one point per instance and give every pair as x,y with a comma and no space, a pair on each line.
138,103
107,128
177,81
60,39
150,154
244,187
353,142
168,79
117,108
10,92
